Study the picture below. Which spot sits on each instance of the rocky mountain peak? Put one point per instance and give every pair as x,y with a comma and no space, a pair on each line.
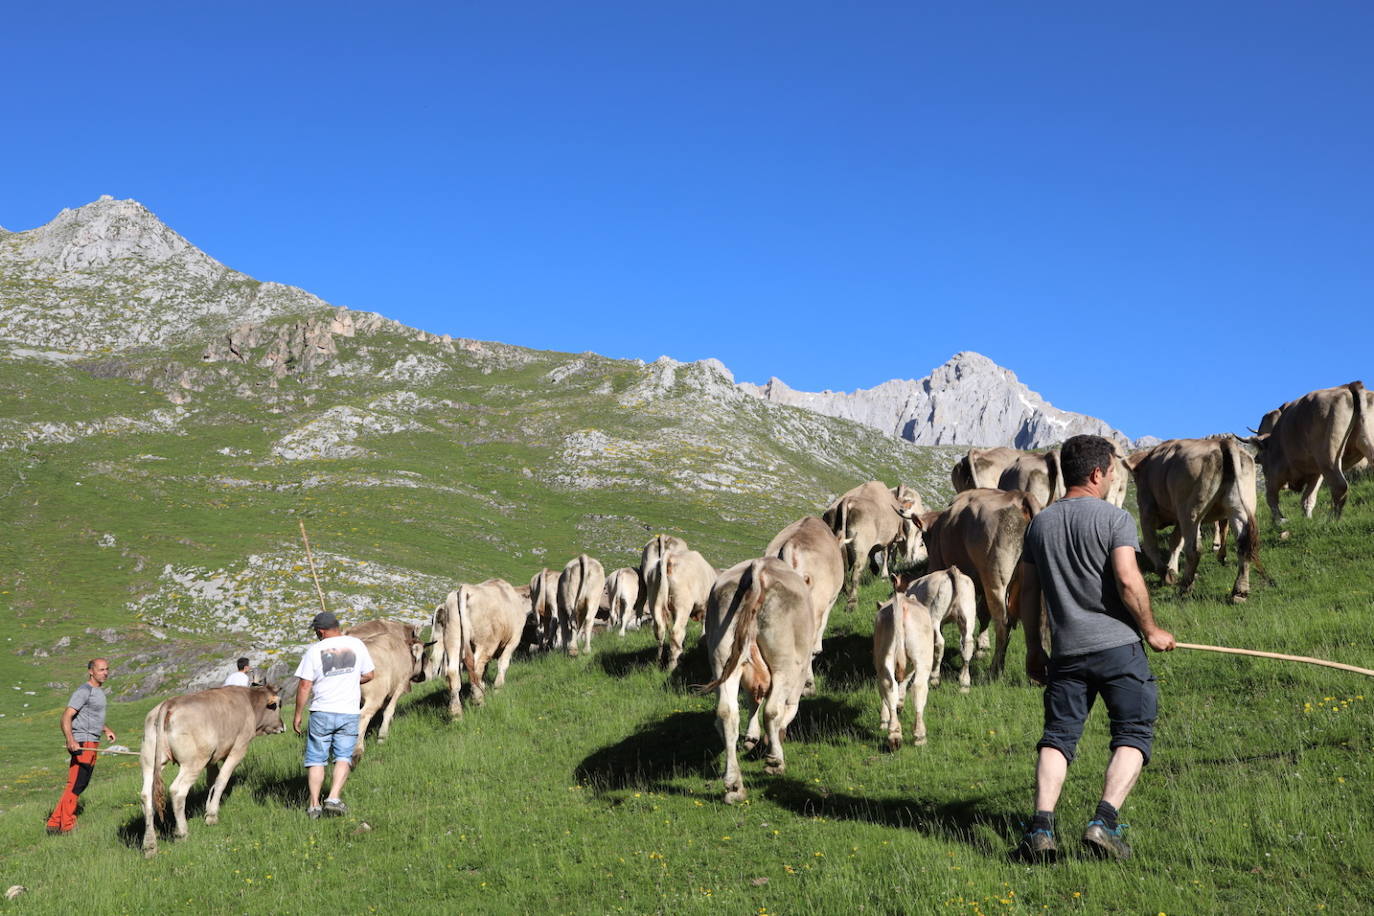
969,400
110,276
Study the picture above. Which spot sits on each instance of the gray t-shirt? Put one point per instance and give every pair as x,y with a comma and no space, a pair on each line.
89,703
1071,544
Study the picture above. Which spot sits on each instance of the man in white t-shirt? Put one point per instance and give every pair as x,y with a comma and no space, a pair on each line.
240,677
332,673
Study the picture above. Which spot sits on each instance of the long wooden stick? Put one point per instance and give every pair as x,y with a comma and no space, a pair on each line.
314,575
1285,658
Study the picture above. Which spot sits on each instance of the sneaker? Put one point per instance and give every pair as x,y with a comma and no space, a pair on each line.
1106,843
314,812
58,831
334,808
1037,846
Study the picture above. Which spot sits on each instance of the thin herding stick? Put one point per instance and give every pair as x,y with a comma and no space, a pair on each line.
1284,658
316,576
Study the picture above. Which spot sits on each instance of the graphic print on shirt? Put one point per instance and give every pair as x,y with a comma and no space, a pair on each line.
338,661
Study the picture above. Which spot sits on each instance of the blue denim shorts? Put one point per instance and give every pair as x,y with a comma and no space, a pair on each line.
326,731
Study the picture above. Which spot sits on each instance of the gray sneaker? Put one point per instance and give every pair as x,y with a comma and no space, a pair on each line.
314,812
1106,843
334,808
1036,846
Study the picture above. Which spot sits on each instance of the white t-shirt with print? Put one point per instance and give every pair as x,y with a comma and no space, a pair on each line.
334,667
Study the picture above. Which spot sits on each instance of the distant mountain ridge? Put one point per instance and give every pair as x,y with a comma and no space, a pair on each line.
970,400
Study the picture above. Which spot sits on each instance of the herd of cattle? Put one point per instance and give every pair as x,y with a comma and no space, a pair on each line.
763,619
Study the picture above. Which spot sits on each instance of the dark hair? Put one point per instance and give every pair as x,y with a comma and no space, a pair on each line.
1080,455
243,663
90,665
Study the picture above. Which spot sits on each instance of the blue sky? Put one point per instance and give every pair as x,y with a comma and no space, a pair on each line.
1159,214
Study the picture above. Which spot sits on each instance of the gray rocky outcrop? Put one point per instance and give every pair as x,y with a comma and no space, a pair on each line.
970,400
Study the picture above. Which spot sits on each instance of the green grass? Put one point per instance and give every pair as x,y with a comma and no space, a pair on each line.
591,785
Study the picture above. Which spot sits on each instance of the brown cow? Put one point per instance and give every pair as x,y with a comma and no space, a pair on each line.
196,730
1317,437
677,585
622,593
579,598
544,606
982,468
981,535
399,656
903,642
475,624
872,521
812,549
1187,483
759,631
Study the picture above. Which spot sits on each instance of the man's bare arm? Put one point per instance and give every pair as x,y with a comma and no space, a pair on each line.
1130,584
302,694
67,715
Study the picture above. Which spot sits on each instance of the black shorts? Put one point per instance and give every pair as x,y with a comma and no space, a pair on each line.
1122,677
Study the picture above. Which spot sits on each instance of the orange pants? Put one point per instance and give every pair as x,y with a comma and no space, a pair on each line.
78,776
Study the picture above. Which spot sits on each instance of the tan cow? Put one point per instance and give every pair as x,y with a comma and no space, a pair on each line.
658,545
399,656
760,628
579,597
677,586
1037,473
951,598
903,655
622,593
1188,483
554,633
982,467
813,550
872,520
981,535
196,730
475,624
1317,437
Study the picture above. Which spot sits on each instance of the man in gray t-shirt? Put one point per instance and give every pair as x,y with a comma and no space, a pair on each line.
83,723
1080,554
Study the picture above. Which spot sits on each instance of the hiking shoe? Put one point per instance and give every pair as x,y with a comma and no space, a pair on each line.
1037,846
1106,843
334,808
58,831
314,812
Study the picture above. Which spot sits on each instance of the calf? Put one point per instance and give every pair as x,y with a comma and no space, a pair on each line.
903,654
399,656
951,597
196,730
760,628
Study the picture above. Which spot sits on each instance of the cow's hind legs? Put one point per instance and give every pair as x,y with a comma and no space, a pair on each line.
226,771
727,725
180,787
503,662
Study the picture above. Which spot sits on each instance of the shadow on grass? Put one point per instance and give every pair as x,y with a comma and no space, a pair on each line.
131,833
625,661
973,821
683,744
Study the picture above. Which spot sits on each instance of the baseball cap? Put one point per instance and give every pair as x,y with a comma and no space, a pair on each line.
325,620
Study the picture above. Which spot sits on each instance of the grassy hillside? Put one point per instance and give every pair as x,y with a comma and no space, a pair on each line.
591,785
165,535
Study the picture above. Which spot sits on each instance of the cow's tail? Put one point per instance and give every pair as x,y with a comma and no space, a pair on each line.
746,624
582,595
1362,426
899,637
790,555
159,756
1248,543
438,650
459,610
1056,474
